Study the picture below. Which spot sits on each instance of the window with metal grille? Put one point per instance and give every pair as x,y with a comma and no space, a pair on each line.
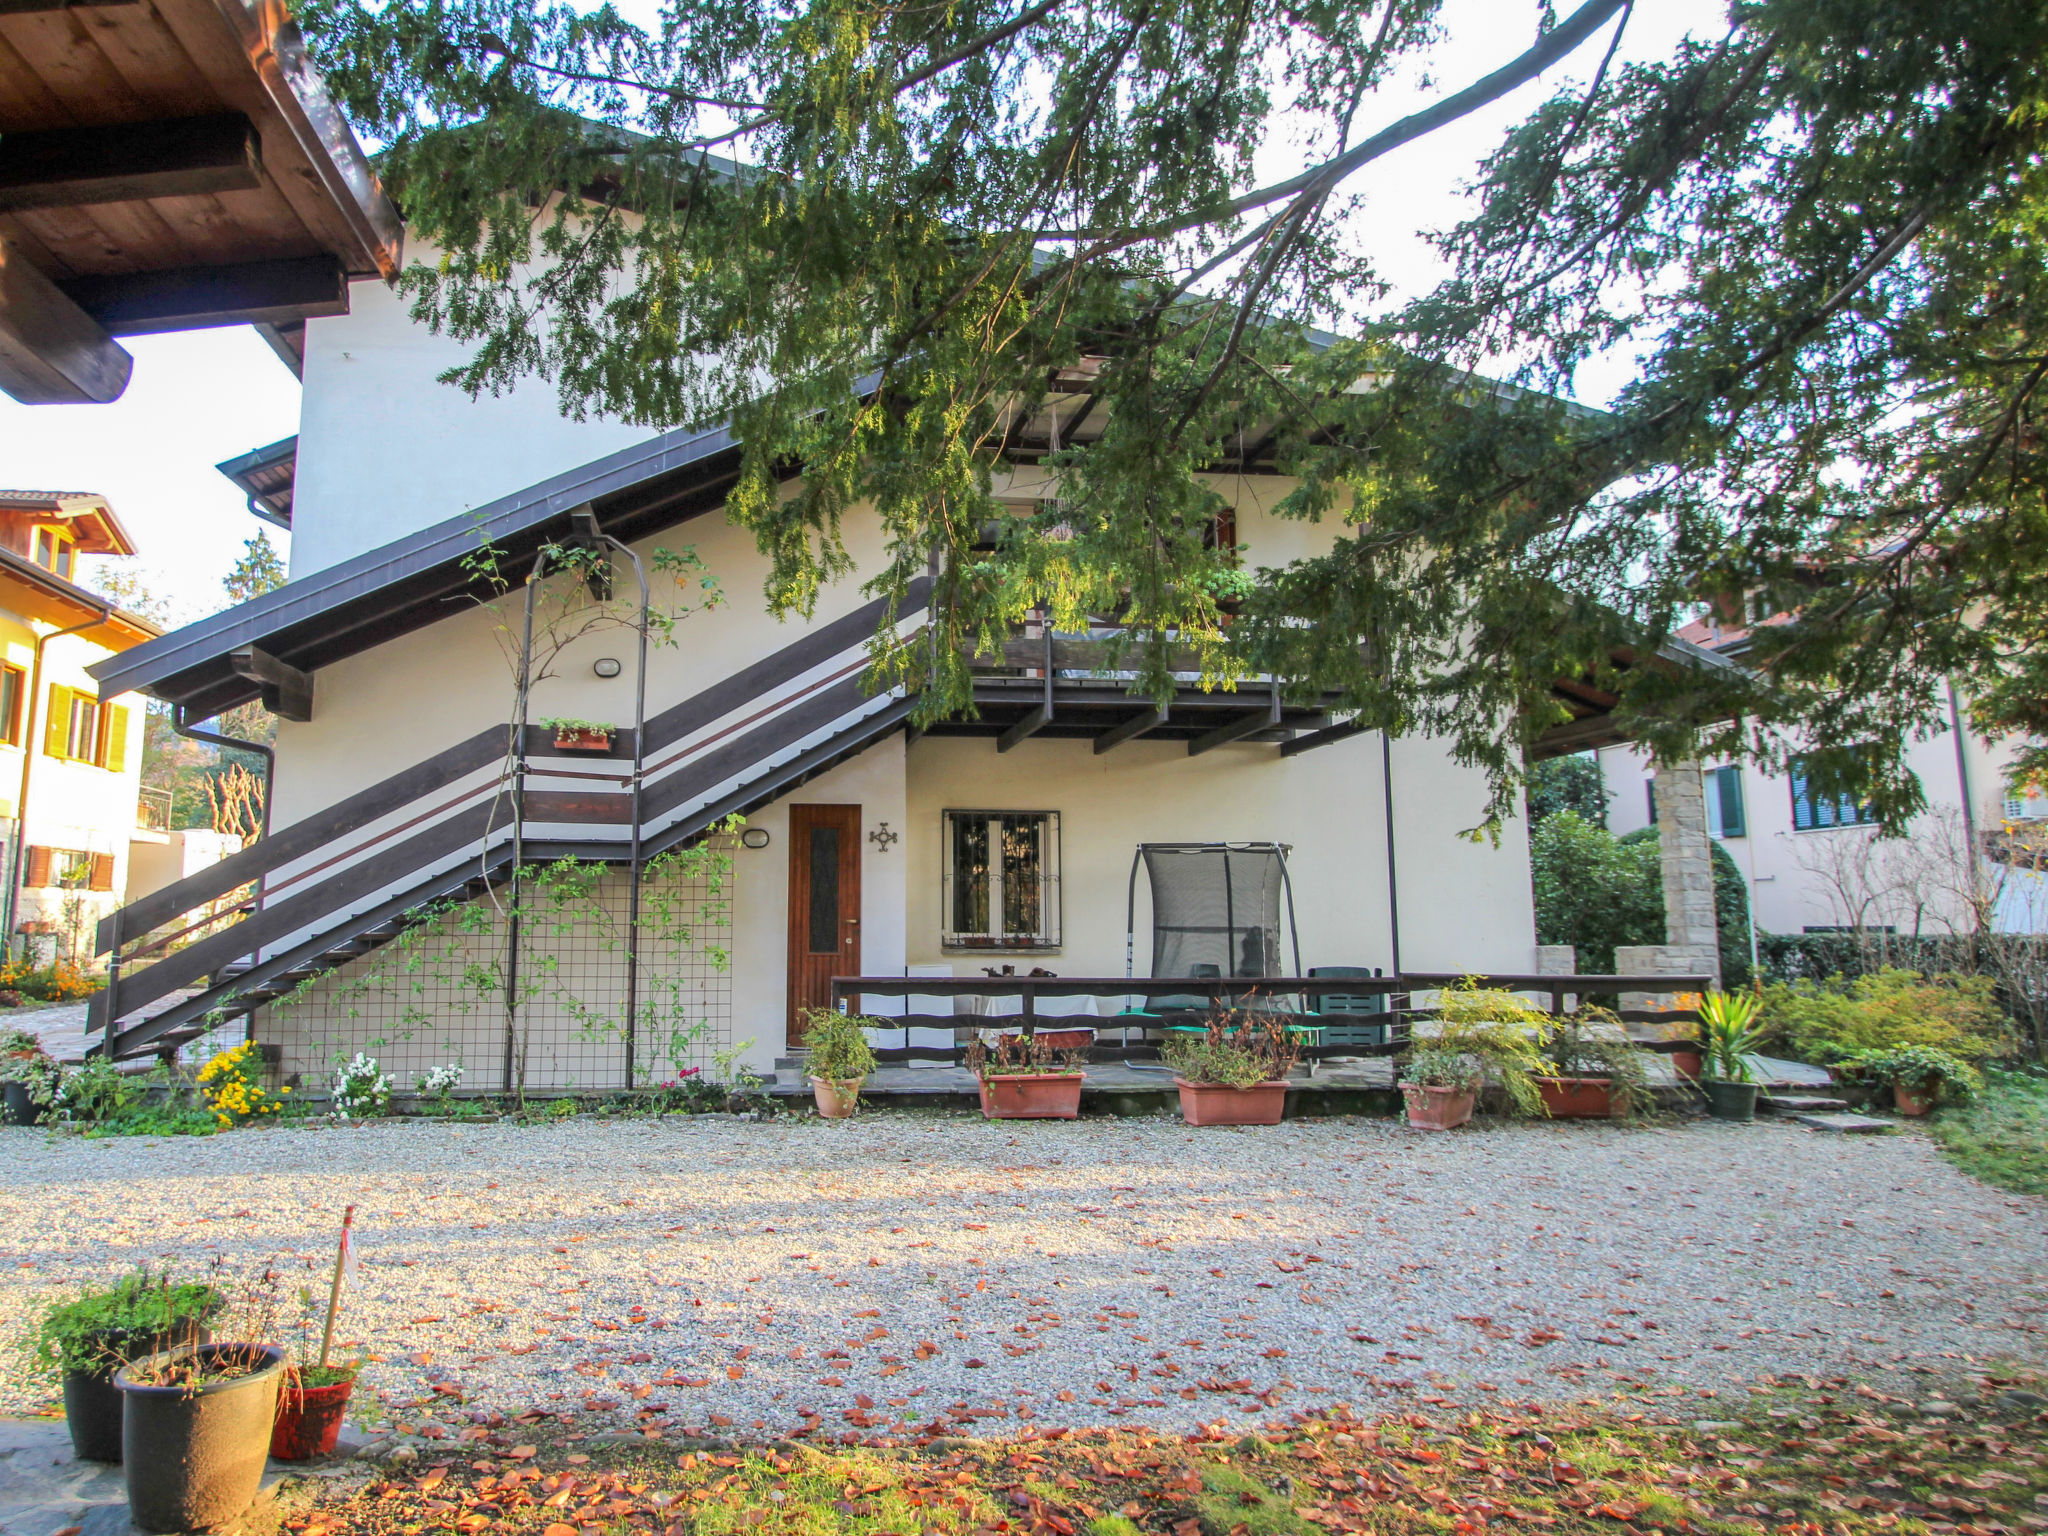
1002,880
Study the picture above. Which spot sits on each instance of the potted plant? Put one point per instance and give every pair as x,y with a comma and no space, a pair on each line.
84,1340
1235,1071
1482,1035
1025,1079
1730,1036
1596,1071
1440,1087
840,1059
581,735
316,1387
1919,1076
29,1078
195,1431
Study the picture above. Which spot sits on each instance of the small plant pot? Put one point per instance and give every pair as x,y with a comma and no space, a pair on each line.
1577,1098
583,741
92,1404
1438,1109
1913,1103
1032,1096
16,1107
1221,1104
309,1419
193,1457
1729,1101
1688,1064
836,1100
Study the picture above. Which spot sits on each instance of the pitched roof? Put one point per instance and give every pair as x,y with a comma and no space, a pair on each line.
111,538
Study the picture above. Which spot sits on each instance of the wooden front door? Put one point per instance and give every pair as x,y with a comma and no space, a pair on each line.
824,905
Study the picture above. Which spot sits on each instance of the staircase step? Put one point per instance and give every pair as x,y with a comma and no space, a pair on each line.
1846,1125
1802,1103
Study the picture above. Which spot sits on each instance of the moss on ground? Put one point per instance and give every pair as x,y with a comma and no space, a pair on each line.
1807,1460
2001,1138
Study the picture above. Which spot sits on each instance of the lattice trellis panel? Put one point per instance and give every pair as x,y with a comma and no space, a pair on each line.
437,994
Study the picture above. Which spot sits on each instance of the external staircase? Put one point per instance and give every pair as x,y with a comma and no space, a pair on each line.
338,884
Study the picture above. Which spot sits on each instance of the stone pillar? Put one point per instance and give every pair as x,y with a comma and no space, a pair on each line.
1687,857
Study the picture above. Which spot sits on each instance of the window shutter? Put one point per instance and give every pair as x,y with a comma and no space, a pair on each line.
102,872
57,728
38,871
116,755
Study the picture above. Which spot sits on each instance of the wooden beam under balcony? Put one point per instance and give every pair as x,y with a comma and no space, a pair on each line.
1131,729
287,691
1248,724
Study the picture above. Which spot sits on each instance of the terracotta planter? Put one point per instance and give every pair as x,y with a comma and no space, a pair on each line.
1438,1109
836,1100
193,1458
309,1419
1577,1098
1032,1096
1688,1063
1910,1103
583,741
1221,1104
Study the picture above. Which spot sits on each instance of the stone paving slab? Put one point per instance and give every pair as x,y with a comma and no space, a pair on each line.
1847,1125
45,1489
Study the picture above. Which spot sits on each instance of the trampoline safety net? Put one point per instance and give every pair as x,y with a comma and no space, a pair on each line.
1216,908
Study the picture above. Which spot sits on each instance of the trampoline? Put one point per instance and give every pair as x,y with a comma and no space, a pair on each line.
1218,909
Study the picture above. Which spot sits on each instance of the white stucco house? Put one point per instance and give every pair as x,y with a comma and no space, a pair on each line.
1817,865
871,848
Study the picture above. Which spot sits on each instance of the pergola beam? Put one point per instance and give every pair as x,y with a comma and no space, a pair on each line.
1041,715
51,351
128,162
1330,734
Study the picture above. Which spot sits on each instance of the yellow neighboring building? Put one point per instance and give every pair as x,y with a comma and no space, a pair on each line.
70,761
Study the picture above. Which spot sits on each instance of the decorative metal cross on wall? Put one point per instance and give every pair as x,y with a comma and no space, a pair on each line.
882,837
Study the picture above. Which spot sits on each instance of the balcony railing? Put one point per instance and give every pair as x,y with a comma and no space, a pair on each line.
153,810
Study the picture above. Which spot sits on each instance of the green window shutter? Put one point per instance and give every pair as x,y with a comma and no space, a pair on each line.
117,739
57,728
1729,787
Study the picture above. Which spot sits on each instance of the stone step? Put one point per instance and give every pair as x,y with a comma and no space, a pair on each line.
1802,1103
1846,1125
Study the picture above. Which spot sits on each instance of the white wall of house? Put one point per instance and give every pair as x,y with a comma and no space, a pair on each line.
1816,878
158,859
1463,906
386,448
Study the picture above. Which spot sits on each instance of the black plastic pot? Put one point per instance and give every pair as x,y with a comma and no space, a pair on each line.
193,1457
16,1107
92,1403
1729,1101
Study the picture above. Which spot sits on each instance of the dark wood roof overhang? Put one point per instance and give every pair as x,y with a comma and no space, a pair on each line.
167,165
267,476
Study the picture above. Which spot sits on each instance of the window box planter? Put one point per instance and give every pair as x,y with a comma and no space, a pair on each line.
1687,1063
309,1419
578,739
1060,1039
193,1456
1577,1098
1032,1096
1221,1104
836,1100
1438,1109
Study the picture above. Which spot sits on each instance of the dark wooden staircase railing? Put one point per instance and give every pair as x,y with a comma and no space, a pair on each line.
446,832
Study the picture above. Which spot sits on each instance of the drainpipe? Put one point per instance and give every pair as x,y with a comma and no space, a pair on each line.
28,756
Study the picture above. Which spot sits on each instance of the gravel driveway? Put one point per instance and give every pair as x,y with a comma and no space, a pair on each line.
713,1271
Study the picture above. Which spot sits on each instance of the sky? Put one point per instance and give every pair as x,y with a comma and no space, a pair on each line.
200,397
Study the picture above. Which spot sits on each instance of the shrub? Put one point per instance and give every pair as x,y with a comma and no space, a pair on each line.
1827,1022
838,1045
1919,1069
62,982
103,1326
231,1083
361,1090
1432,1066
1595,891
1497,1030
1237,1049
